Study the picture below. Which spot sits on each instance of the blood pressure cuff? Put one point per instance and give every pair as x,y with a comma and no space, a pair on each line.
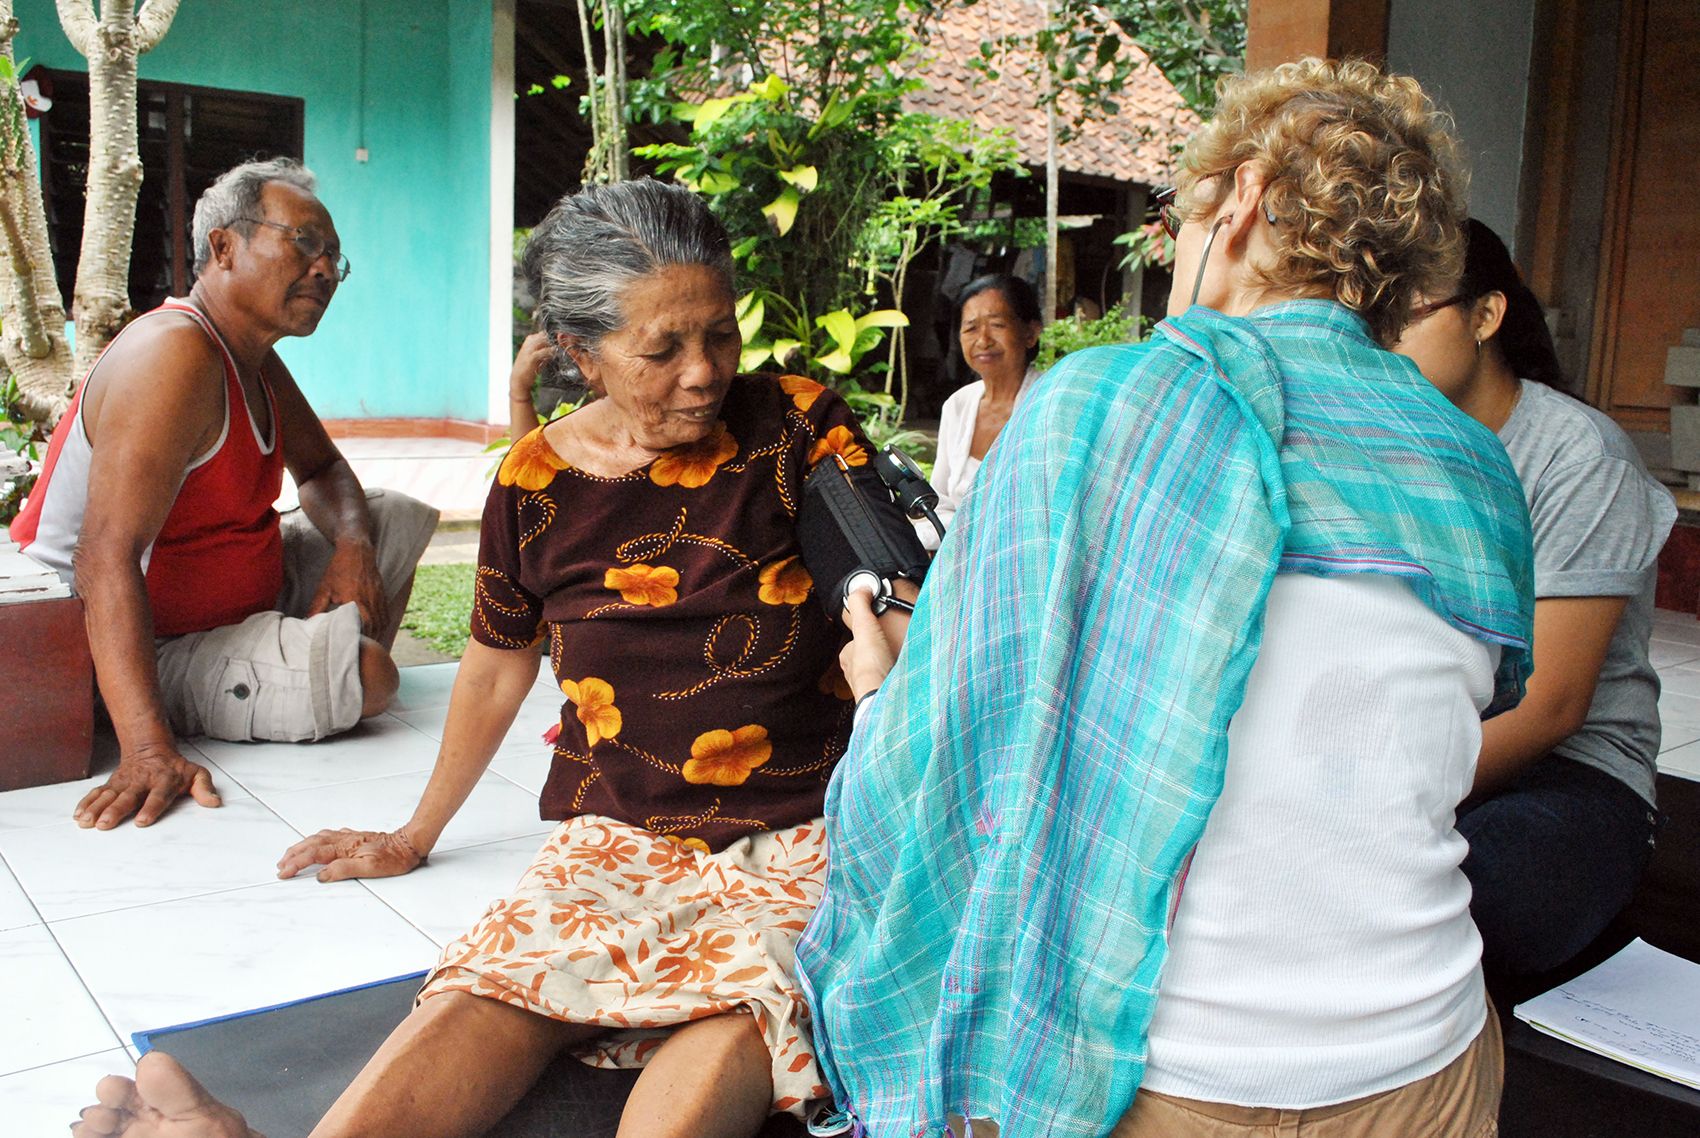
848,523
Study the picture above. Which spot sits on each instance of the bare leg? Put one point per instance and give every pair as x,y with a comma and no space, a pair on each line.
398,610
453,1068
379,678
162,1102
711,1079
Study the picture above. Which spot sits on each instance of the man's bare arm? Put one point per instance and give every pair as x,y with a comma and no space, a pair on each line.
333,500
156,403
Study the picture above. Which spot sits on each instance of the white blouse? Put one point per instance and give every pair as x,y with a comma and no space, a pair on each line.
954,468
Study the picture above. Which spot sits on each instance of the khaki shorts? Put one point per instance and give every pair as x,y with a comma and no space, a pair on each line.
282,676
1461,1100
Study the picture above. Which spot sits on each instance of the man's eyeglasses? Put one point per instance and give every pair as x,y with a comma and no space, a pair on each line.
1167,215
1424,311
309,244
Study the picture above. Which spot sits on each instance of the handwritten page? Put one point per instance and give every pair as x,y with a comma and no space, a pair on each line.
1641,1007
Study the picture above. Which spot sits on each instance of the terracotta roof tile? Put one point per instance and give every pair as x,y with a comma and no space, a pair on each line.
1137,144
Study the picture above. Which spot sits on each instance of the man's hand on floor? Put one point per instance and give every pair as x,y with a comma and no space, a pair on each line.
145,784
351,853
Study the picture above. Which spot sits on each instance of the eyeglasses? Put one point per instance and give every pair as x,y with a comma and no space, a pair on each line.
1424,311
309,244
1167,215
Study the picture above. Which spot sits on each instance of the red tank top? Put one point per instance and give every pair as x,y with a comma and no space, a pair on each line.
219,556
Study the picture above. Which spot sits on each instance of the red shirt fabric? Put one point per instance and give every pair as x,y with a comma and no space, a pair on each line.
218,558
703,695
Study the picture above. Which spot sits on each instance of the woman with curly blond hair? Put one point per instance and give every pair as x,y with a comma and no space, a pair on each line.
1223,611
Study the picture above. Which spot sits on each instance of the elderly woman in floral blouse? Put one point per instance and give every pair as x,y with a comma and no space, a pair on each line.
650,537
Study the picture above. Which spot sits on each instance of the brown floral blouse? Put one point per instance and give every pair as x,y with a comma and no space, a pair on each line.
703,695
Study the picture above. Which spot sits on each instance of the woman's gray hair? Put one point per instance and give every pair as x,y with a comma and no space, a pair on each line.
236,195
594,244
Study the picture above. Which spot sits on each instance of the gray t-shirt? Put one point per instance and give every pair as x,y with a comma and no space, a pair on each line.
1599,522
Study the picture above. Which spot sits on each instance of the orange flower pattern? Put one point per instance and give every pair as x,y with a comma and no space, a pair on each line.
531,463
692,466
785,582
841,442
802,390
718,937
596,710
726,758
674,610
640,584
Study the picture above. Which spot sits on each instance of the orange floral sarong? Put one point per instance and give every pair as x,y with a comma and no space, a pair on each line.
618,926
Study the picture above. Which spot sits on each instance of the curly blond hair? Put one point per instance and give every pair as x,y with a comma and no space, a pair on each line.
1364,183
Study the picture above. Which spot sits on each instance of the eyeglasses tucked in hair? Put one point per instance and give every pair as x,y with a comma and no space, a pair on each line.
309,244
1424,311
1169,217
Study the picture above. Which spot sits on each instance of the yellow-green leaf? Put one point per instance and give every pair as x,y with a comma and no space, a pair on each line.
838,361
805,178
753,356
882,318
785,349
716,182
750,320
772,88
711,110
841,326
781,212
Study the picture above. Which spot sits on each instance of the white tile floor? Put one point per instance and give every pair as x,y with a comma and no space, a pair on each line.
105,934
102,935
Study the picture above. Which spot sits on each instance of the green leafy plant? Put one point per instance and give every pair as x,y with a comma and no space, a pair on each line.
21,436
1117,326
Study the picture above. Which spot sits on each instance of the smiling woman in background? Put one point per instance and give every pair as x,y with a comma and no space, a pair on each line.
998,326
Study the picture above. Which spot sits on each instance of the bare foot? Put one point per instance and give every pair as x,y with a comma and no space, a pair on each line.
163,1101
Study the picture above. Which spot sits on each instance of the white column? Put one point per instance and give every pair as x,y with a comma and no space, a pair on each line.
501,208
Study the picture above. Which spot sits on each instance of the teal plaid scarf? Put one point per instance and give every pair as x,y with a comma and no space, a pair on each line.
1010,822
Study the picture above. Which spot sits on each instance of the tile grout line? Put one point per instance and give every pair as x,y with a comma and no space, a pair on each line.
82,981
71,1059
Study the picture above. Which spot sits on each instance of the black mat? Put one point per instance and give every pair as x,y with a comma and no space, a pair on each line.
1556,1090
284,1066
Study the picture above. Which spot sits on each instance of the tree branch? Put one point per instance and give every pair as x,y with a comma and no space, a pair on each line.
78,19
152,22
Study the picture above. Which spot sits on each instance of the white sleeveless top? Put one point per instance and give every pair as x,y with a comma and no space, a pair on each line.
1323,948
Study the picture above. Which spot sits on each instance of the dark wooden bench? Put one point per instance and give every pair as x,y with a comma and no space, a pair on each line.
46,693
1555,1090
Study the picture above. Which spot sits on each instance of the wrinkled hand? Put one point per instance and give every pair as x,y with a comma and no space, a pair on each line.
874,640
151,780
351,853
529,360
353,575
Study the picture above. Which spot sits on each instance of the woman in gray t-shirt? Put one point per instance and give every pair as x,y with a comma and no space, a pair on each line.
1561,818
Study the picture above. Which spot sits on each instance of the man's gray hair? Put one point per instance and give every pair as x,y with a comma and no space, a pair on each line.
236,195
594,244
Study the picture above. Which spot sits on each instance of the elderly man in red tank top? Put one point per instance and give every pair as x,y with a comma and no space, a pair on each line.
207,613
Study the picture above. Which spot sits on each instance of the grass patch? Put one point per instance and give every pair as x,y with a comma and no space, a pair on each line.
440,610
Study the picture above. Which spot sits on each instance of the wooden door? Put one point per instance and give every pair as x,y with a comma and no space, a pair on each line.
1650,265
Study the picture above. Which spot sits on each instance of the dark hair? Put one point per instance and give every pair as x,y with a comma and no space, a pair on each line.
1022,300
1523,337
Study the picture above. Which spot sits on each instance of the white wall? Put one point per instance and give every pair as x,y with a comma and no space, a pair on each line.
1472,56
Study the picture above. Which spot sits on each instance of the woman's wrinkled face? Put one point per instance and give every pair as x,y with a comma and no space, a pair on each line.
666,370
994,339
1442,343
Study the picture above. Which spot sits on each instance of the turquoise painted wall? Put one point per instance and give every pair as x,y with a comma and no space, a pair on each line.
407,332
